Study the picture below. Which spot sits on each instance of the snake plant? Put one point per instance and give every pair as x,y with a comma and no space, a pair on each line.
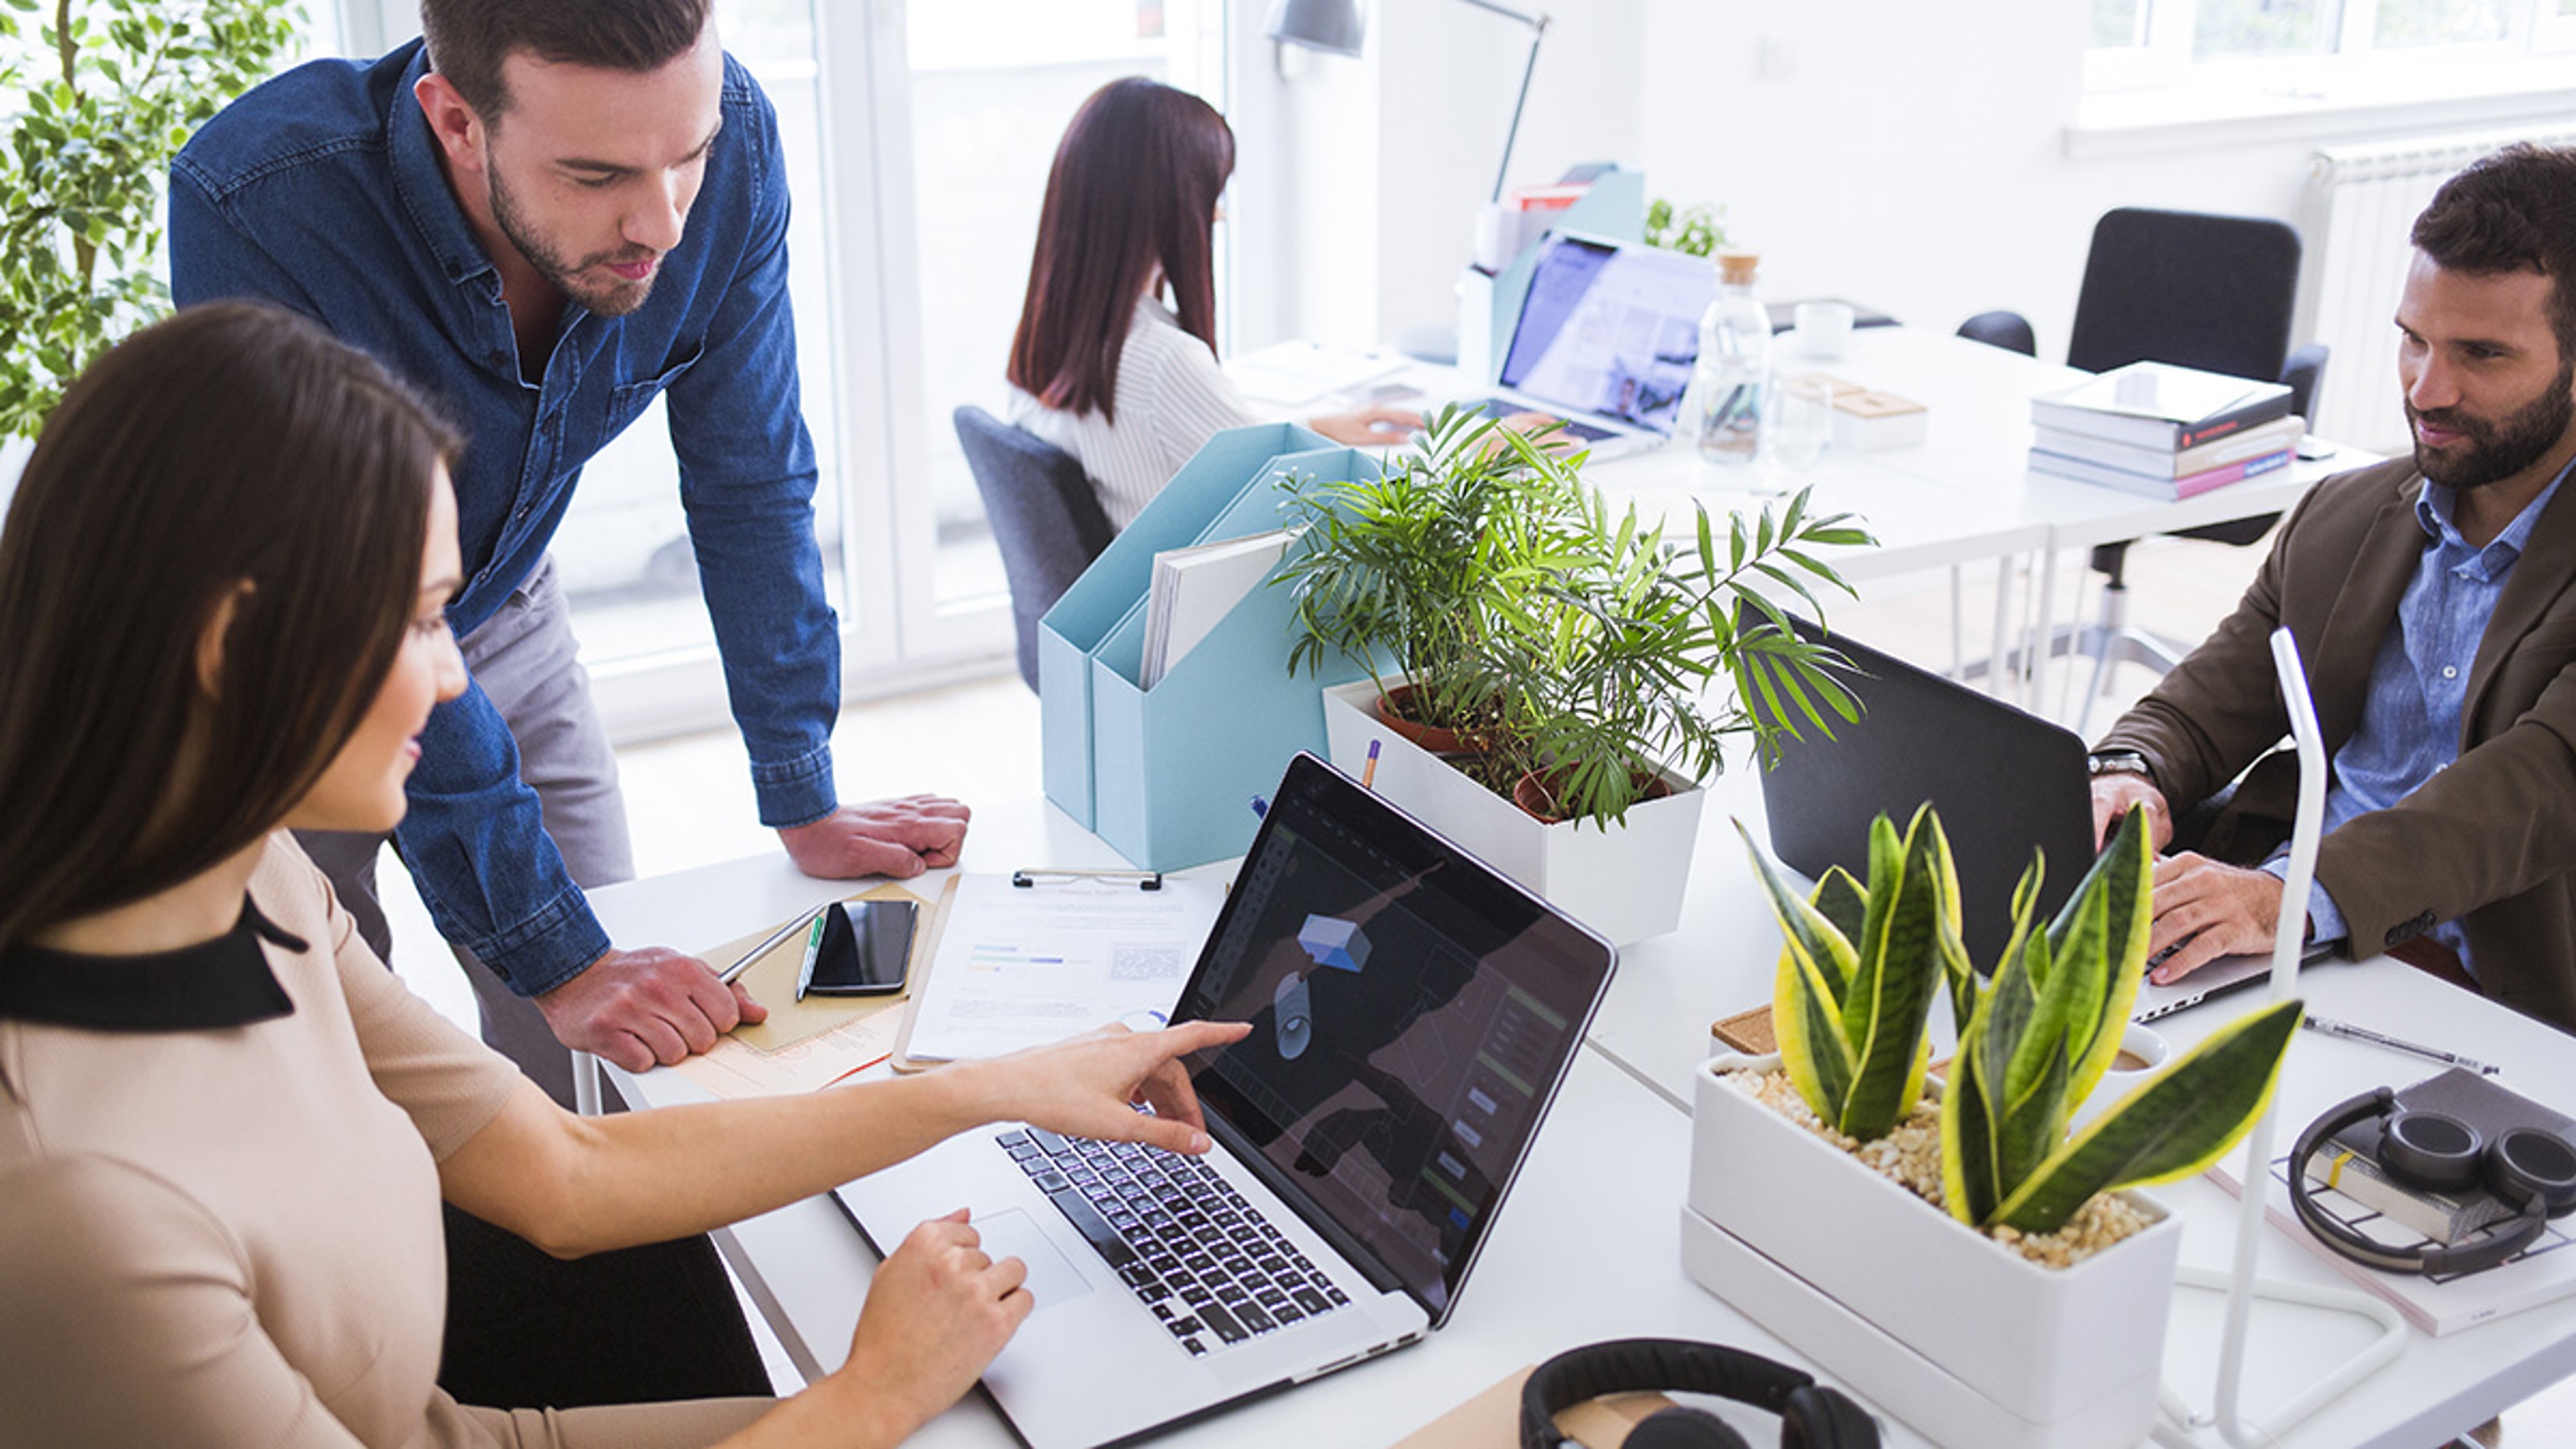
1855,987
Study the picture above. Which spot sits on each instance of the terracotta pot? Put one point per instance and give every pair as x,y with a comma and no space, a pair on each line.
1395,710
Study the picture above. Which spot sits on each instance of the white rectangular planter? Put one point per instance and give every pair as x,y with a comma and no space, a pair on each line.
1960,1337
1625,882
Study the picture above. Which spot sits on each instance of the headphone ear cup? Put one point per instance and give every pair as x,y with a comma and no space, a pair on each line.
2527,1164
1680,1427
1817,1417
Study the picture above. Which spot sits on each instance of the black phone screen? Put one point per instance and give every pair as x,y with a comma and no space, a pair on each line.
866,946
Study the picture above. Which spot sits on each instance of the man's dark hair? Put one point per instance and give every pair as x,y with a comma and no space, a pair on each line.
2512,211
469,38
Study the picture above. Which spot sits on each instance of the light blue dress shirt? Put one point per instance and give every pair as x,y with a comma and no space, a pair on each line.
2410,721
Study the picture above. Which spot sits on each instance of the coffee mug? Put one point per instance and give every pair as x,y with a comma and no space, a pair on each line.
1824,328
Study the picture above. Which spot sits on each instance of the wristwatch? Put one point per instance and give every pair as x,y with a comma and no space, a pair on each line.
2118,762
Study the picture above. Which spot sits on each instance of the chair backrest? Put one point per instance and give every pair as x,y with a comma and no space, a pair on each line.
1046,519
2212,292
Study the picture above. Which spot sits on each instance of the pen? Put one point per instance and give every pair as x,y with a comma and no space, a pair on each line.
1368,772
813,949
772,939
2349,1032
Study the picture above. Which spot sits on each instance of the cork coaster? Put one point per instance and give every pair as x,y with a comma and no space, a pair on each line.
1748,1032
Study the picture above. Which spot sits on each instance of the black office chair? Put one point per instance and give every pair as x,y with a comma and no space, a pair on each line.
1046,519
2195,290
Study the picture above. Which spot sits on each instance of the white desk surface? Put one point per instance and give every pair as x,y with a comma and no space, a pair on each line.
1589,1247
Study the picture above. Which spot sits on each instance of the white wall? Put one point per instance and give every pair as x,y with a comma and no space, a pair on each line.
1912,157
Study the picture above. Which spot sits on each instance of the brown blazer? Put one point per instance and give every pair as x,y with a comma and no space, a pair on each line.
2491,840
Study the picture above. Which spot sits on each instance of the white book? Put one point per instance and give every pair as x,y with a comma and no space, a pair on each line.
1195,588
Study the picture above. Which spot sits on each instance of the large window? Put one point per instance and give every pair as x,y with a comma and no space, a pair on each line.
2308,47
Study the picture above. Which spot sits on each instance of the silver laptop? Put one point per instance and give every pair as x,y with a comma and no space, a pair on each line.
1413,1014
1606,339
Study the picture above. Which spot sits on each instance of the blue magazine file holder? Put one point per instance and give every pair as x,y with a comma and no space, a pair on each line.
1167,775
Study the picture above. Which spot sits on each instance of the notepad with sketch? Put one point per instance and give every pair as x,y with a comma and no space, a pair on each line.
1020,966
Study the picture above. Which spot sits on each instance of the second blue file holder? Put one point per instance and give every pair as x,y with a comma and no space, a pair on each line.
1167,775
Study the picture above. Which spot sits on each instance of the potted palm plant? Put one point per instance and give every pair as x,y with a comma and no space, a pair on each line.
1851,1213
1590,666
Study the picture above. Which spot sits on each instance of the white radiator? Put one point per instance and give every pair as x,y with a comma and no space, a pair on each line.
2362,201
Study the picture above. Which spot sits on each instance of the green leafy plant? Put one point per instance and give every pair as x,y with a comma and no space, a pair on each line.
1565,641
105,95
1697,231
1853,996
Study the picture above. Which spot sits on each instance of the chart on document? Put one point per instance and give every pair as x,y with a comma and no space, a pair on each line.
1019,966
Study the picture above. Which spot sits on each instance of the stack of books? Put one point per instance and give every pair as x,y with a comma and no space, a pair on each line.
2165,431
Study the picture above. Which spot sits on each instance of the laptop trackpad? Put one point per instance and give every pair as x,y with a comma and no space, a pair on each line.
1011,1234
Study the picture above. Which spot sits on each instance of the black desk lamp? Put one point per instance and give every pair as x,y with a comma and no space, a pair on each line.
1334,26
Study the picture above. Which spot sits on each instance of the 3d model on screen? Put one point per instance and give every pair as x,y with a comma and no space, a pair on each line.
1335,943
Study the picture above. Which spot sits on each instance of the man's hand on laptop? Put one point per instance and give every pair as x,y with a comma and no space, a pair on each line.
2205,910
2112,797
1087,1087
636,1008
898,839
936,1312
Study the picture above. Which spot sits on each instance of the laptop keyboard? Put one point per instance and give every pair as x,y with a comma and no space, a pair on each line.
1212,1269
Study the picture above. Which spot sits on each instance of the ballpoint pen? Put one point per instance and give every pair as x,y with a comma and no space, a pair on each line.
813,950
768,943
2330,1027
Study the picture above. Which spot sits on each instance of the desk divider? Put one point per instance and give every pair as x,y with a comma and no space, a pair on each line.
1167,775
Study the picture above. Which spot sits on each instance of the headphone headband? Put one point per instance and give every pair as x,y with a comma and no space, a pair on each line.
1814,1417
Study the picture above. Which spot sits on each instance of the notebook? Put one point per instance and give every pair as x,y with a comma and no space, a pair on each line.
2005,782
1413,1014
1606,338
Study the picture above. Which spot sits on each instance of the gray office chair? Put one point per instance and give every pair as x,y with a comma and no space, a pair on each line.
1046,519
2195,290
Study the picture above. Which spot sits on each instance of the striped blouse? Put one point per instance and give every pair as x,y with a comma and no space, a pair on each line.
1172,397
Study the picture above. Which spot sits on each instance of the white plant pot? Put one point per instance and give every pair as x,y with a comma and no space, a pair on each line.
1962,1338
1625,882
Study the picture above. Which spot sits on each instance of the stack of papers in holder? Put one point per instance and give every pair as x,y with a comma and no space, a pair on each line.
1195,588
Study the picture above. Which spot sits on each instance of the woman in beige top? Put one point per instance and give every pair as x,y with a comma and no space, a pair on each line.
224,1127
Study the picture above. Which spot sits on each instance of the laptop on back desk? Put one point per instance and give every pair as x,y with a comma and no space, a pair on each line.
1413,1014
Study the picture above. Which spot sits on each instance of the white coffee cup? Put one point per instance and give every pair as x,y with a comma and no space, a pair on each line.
1824,328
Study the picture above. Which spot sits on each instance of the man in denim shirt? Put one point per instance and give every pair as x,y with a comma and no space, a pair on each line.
546,217
2431,599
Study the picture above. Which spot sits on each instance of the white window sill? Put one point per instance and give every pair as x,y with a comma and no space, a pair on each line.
2389,101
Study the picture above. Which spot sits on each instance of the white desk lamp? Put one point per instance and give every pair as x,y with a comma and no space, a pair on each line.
1334,26
2253,1176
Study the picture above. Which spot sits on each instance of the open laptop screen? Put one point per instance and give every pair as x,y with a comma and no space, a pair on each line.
1412,1013
1610,330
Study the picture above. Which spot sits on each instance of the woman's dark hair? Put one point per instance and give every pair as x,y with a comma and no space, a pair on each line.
234,451
468,39
1135,186
2511,211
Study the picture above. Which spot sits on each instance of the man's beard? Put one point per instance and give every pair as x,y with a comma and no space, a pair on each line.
610,299
2495,451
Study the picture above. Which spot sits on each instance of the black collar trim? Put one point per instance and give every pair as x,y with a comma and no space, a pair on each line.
224,982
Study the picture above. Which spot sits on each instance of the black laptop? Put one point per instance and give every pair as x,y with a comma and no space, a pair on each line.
2005,782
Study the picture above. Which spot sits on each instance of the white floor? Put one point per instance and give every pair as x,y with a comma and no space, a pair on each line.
689,800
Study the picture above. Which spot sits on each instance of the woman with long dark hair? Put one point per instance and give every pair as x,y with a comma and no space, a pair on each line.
1100,366
225,1128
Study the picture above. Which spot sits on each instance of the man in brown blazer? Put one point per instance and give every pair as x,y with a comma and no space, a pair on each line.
2431,600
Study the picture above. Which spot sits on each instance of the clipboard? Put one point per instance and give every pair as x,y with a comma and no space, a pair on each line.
1036,956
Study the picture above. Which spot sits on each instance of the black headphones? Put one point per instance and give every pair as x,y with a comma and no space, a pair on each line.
1812,1416
2526,1168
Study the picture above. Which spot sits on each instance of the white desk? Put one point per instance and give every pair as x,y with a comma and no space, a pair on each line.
1588,1247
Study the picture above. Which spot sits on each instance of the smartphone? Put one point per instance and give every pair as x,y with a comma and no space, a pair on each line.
865,949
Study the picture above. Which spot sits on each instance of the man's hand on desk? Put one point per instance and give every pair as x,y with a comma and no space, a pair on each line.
2112,797
898,839
2205,910
1369,427
636,1008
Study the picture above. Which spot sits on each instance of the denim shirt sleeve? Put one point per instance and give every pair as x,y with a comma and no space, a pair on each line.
747,479
528,922
2325,922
